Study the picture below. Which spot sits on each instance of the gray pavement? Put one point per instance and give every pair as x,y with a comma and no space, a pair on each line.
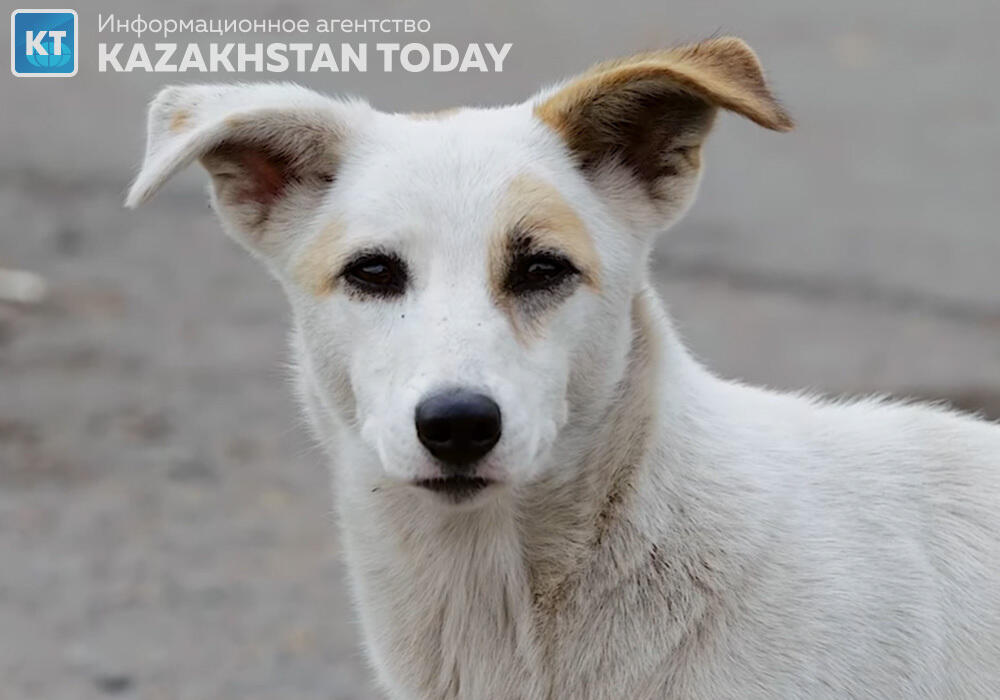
165,523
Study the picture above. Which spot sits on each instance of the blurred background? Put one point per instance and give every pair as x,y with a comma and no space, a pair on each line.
165,525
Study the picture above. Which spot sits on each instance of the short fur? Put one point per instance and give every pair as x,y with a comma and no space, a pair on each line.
655,531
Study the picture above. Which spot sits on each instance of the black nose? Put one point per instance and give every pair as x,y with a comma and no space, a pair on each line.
458,427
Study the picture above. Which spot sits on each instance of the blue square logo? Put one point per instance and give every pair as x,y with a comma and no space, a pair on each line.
43,43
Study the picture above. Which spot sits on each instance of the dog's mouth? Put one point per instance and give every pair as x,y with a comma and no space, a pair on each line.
457,488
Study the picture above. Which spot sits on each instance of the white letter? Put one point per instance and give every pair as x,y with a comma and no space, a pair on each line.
358,57
192,59
35,43
278,62
138,59
104,57
425,57
166,51
473,59
387,51
439,65
323,59
300,55
57,42
216,57
498,57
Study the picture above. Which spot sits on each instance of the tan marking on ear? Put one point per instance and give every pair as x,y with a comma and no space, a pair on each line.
437,114
180,120
724,72
315,268
536,210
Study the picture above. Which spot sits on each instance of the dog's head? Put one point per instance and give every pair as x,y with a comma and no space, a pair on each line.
461,281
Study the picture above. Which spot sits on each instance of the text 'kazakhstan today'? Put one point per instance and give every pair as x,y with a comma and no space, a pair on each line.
281,57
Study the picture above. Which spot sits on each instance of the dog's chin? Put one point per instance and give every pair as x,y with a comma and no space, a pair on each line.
458,489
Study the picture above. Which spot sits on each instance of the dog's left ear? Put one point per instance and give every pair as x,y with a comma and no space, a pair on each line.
272,151
650,113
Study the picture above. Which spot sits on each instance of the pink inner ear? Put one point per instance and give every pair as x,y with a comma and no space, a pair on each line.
266,175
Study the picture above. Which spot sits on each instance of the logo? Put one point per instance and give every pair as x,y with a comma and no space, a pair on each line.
43,43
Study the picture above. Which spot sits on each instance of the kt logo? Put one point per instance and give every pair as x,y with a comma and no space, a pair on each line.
43,43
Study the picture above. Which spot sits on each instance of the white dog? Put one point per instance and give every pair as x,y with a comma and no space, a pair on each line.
542,495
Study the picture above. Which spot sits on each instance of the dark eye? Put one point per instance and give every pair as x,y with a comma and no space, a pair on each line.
538,272
377,273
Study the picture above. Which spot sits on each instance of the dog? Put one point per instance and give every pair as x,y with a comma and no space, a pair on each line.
542,495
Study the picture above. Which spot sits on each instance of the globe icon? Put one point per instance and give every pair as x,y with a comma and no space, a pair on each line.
51,61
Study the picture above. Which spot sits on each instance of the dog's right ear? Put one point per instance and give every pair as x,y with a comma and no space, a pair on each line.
641,120
272,151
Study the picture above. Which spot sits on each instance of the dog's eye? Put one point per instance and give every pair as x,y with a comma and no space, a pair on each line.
377,273
541,271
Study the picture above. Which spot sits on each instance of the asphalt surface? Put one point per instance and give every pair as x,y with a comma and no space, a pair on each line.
165,524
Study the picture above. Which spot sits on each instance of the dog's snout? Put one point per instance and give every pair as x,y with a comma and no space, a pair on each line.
458,427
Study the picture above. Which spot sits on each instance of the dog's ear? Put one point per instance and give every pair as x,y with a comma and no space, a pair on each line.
272,151
648,114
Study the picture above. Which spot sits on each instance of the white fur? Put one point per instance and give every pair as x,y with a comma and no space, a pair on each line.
660,532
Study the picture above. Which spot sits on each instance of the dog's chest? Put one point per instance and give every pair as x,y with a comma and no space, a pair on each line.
447,612
467,620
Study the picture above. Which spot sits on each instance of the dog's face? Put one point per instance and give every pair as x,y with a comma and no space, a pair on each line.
461,281
448,290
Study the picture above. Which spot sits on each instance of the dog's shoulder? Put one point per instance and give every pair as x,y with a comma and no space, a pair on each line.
932,438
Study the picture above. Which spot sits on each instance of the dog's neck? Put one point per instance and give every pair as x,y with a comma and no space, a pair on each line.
568,515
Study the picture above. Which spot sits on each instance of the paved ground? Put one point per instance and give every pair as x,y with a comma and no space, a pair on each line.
165,528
